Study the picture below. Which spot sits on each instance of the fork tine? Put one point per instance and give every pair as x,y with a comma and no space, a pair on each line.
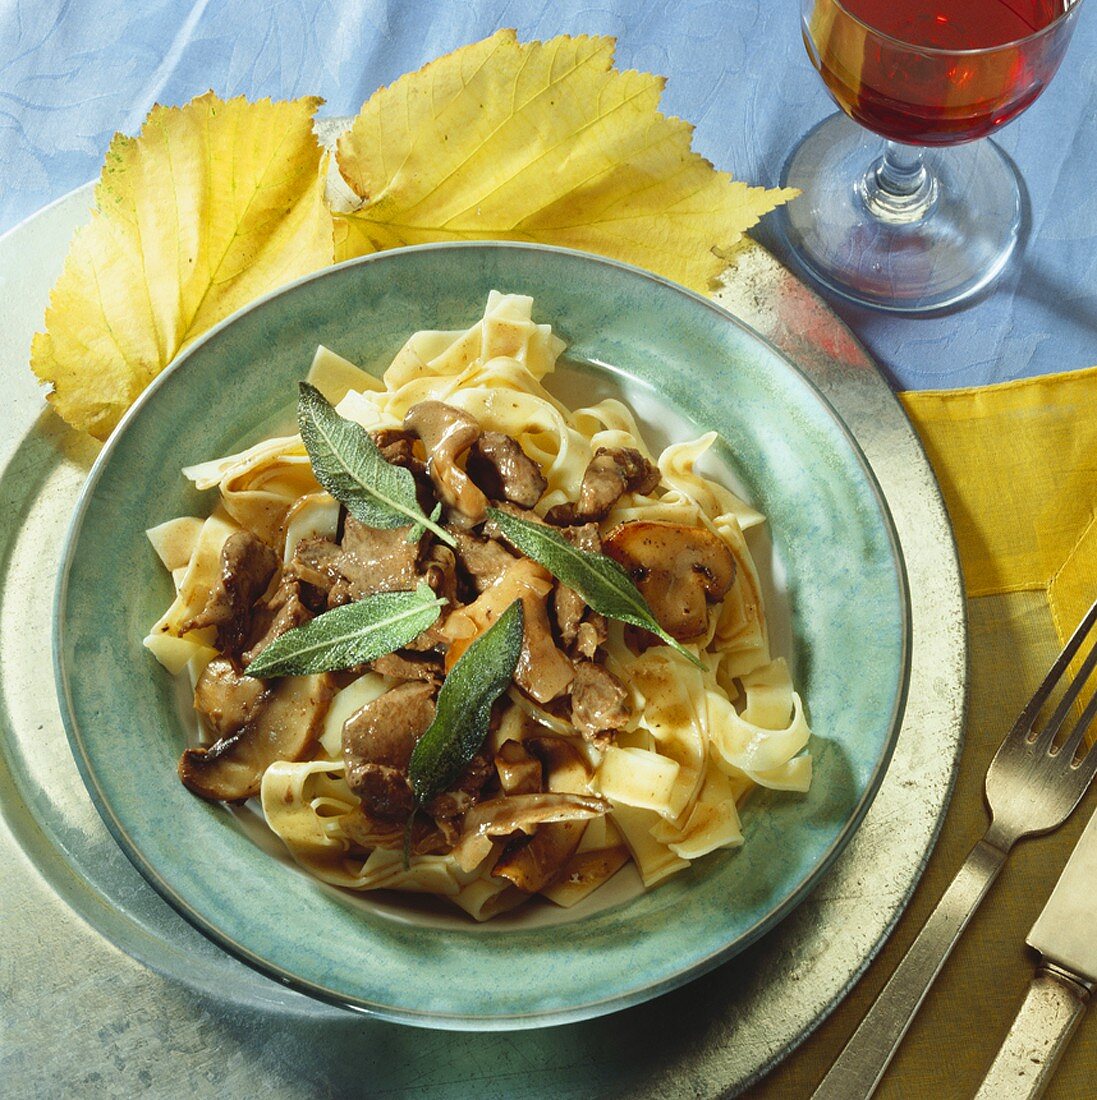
1070,746
1056,721
1032,708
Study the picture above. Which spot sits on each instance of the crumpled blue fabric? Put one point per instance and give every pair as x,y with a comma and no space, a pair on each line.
72,72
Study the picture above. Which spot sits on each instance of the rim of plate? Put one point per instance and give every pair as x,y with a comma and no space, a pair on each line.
461,1021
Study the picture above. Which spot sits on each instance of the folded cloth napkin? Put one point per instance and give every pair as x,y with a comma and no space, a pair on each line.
1017,464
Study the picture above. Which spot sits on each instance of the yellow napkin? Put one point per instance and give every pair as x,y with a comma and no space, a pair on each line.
1017,464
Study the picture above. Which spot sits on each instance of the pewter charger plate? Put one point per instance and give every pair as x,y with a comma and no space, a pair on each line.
715,1035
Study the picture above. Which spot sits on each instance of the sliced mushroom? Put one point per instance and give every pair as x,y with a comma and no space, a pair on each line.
504,471
543,671
284,726
532,862
524,812
599,701
678,569
247,566
447,433
612,472
377,744
225,698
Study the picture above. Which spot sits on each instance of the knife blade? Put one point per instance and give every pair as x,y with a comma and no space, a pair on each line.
1065,935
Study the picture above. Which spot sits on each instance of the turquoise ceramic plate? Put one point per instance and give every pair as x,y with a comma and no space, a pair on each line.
830,563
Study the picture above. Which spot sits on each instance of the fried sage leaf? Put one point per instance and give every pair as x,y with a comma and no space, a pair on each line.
350,466
350,635
602,583
463,711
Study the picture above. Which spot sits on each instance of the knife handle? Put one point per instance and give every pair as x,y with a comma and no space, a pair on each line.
1050,1012
858,1069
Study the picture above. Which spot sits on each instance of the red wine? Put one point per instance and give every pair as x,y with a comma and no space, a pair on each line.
956,24
883,69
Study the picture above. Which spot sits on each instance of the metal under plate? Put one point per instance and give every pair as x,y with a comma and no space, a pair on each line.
81,1014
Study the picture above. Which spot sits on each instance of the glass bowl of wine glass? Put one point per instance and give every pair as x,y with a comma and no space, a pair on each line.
905,205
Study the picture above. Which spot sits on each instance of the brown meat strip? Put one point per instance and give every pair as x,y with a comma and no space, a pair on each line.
374,560
315,562
377,743
599,701
484,560
398,447
284,611
409,666
504,471
567,605
612,472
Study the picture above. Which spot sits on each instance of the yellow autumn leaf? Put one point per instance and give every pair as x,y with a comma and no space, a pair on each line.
541,142
213,205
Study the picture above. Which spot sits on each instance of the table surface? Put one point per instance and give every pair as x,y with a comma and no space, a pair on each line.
72,72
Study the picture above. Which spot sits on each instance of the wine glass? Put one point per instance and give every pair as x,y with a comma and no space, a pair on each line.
924,215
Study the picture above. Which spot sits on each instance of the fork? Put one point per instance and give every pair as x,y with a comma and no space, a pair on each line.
1031,787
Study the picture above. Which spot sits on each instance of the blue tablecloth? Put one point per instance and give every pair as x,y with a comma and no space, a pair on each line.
74,71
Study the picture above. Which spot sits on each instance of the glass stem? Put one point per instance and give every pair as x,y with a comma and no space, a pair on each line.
898,188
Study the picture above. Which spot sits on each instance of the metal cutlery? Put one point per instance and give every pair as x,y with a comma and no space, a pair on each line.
1064,934
1032,787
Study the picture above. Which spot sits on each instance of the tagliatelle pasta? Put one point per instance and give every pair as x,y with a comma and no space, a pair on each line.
698,737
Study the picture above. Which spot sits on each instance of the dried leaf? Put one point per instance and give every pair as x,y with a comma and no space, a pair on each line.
213,205
541,142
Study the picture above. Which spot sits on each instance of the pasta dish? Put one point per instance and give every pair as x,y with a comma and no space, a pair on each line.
458,638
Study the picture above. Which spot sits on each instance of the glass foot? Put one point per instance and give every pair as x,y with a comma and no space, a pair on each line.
946,241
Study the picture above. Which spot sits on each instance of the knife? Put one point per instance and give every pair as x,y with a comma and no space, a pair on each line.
1065,934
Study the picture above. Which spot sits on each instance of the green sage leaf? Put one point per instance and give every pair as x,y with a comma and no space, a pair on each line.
463,711
602,583
350,635
416,532
350,466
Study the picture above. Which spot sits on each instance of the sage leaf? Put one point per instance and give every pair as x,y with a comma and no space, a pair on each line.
602,583
350,466
416,532
350,635
463,711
